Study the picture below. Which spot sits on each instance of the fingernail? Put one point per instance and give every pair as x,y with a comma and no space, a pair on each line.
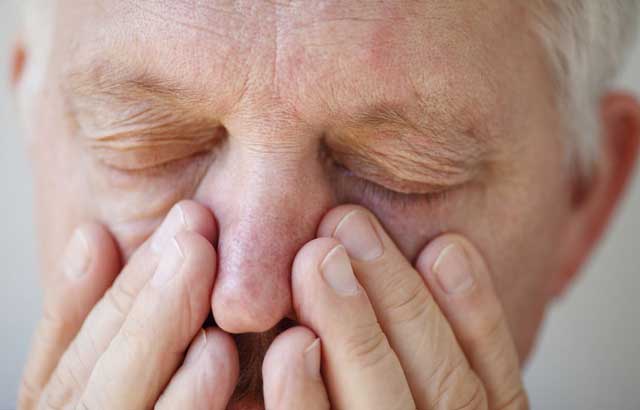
453,269
172,224
357,234
312,359
197,348
169,264
337,272
76,257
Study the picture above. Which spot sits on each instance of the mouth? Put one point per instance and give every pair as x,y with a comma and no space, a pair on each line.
252,348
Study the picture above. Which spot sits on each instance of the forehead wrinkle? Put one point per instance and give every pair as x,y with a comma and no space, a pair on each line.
195,15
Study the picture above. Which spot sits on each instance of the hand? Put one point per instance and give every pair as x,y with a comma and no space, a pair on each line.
393,337
124,349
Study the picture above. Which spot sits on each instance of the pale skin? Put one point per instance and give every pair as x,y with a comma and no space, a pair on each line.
256,115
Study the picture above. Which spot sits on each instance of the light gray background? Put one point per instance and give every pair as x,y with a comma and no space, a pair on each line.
589,352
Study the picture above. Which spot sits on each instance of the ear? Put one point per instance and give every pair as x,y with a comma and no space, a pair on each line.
18,61
599,194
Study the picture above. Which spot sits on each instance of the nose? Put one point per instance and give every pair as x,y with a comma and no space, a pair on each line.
268,203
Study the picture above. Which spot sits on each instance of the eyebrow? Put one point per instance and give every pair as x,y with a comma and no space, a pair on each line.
106,79
424,134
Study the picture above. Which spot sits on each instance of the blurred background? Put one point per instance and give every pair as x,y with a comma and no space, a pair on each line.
588,356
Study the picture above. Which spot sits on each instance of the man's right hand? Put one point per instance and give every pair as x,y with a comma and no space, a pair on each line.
118,341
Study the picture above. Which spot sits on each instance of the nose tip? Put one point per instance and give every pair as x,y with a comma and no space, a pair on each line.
252,291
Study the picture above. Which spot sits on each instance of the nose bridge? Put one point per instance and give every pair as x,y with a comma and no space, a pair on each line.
268,201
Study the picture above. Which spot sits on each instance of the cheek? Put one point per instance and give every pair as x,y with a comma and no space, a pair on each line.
132,206
413,225
519,233
58,177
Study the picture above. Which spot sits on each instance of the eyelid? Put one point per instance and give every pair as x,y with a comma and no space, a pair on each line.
142,149
365,189
422,182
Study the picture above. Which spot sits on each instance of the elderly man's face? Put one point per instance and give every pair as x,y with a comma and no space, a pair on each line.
437,116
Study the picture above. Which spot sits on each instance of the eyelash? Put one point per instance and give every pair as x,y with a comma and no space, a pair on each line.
370,190
347,180
159,170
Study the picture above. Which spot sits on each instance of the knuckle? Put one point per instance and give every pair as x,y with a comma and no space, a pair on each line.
407,302
68,379
491,326
368,346
82,405
474,400
60,391
28,394
119,298
517,401
92,402
54,329
457,387
134,338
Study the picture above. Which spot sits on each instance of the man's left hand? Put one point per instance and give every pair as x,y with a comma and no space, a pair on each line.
392,336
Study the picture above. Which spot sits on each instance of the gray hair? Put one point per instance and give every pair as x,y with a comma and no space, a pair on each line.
586,41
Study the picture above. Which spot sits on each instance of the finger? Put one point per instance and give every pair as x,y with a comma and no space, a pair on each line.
436,368
291,372
207,377
90,264
151,343
461,284
360,368
105,319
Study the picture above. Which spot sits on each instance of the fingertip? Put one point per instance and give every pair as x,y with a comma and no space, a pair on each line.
90,264
199,218
332,219
197,251
309,257
208,375
452,265
469,304
105,256
289,345
291,371
222,354
306,264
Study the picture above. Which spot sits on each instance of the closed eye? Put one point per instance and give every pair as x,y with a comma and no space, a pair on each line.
367,190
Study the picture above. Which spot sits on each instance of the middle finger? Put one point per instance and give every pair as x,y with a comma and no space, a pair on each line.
360,369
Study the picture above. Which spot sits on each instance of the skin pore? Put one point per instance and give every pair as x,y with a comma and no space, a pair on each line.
438,117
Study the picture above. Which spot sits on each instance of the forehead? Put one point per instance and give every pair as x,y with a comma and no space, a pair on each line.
302,53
